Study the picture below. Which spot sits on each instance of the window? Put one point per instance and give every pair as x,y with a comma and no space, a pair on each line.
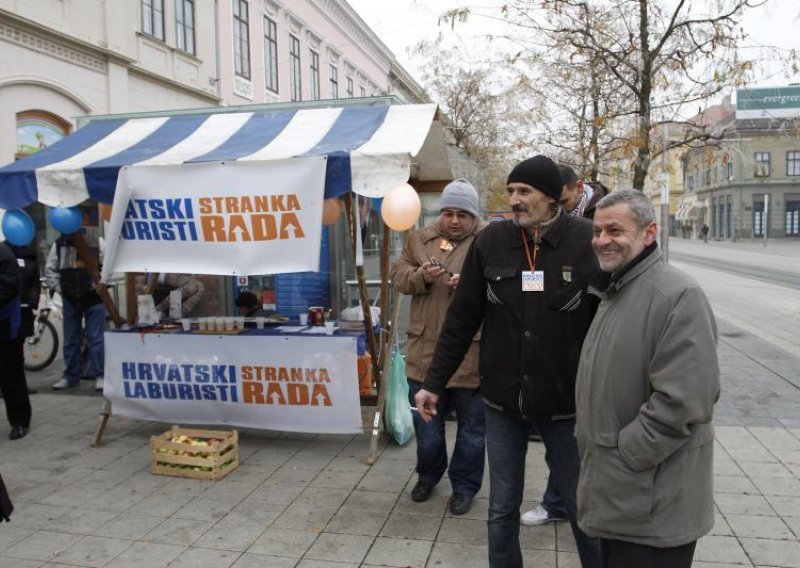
689,182
153,18
241,38
184,25
36,130
314,75
270,54
761,164
349,87
730,169
758,218
334,77
792,218
793,163
706,177
363,91
295,81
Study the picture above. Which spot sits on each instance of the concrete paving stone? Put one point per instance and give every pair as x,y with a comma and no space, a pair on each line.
463,530
282,542
564,540
204,558
337,479
201,509
734,484
93,551
261,561
268,458
339,548
178,531
794,524
727,467
249,474
768,552
383,481
724,549
762,469
733,504
378,501
311,563
103,478
179,486
790,457
148,554
275,494
288,475
323,496
354,464
785,506
304,517
230,536
416,527
786,486
435,506
9,562
81,521
231,490
33,492
309,460
251,512
539,537
452,555
41,545
398,552
159,505
12,533
777,439
758,455
697,564
34,515
568,559
759,527
479,510
127,526
357,522
118,499
145,481
73,496
721,527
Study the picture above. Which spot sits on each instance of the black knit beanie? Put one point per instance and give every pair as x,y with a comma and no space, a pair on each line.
539,172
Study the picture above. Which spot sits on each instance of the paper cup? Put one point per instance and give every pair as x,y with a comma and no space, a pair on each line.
303,319
260,322
229,323
220,322
202,324
330,326
239,322
187,324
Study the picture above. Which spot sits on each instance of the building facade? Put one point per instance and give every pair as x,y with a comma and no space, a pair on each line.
747,185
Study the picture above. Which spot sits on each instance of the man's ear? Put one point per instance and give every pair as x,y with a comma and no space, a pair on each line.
650,233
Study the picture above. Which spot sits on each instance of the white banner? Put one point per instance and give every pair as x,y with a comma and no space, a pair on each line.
236,218
285,383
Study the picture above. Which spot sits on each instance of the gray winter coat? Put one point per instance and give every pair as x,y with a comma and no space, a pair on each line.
647,383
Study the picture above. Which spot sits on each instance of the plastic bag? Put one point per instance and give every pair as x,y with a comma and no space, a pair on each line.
399,422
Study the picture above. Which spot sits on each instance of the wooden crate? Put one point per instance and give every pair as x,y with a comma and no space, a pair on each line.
213,462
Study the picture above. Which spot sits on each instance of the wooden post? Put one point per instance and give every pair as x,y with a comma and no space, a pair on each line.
385,242
91,265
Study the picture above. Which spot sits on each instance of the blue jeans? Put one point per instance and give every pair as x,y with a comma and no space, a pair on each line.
507,443
551,500
467,463
95,317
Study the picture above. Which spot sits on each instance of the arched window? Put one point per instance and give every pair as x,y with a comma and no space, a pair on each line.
37,129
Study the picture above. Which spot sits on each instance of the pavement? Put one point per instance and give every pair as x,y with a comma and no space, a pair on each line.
311,501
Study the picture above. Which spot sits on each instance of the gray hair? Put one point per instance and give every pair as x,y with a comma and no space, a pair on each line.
641,208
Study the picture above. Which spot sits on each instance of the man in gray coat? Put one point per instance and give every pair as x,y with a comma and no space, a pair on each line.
647,383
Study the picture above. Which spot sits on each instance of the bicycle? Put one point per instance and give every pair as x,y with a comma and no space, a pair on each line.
41,348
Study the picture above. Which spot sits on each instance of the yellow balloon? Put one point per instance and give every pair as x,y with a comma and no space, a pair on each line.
331,211
401,207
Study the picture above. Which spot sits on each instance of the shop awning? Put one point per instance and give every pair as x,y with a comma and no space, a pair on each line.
370,148
686,208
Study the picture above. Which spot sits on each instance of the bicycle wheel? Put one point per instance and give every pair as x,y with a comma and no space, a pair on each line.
39,353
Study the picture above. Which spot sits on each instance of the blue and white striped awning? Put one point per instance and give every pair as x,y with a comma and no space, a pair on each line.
370,149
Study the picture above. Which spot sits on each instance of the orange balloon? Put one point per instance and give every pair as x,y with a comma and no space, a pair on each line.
331,211
401,207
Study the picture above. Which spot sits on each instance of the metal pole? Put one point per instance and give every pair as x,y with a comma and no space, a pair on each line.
665,198
766,217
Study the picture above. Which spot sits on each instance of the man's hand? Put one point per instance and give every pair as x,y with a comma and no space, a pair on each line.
426,404
452,282
430,271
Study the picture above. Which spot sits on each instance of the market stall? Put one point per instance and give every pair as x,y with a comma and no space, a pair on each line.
233,192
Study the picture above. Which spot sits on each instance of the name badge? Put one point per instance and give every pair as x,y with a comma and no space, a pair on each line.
533,281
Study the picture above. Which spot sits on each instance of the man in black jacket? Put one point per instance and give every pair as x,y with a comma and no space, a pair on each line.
525,280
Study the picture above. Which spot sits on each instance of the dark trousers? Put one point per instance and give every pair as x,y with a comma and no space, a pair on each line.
621,554
507,444
12,383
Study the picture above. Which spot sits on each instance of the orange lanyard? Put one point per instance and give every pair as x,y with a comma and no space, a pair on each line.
532,264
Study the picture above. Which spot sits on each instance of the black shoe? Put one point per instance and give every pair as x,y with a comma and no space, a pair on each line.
421,492
460,503
18,432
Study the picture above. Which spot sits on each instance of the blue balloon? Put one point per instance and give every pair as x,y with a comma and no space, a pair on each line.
18,227
66,220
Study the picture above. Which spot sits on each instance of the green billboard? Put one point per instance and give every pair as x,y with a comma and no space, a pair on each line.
768,102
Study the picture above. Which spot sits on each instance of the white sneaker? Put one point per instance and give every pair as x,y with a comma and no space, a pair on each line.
98,384
63,384
538,516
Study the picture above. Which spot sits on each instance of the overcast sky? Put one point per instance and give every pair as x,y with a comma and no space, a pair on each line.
401,24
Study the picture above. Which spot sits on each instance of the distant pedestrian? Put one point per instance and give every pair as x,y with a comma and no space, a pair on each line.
429,271
704,232
647,383
12,373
